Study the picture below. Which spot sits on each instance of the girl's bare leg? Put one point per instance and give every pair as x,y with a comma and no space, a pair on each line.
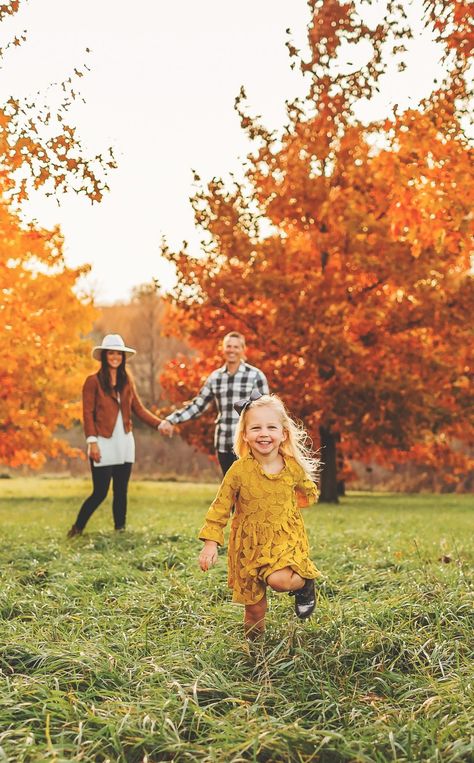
254,618
285,579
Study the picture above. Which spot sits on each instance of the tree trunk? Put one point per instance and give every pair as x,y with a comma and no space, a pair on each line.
328,482
341,485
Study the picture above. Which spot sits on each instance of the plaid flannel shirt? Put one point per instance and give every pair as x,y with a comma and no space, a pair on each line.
224,389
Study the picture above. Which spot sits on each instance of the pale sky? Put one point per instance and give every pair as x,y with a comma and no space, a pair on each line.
163,79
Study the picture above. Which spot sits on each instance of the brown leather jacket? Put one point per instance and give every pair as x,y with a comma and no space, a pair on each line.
100,410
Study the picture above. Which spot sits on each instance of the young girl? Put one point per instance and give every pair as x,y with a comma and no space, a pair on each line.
268,484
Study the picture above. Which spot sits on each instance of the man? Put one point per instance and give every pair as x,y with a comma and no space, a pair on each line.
233,381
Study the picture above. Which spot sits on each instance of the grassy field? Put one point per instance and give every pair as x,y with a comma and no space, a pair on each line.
114,647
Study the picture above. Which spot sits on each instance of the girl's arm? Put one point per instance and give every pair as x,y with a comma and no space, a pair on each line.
306,490
219,510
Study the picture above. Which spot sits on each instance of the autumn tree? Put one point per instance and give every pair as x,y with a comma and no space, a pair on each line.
344,254
42,318
44,358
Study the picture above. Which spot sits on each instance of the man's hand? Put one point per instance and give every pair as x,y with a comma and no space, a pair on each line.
208,555
166,428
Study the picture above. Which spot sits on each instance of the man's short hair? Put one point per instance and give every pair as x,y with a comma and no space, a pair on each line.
235,335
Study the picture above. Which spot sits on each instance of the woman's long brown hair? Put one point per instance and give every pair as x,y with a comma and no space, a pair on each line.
104,374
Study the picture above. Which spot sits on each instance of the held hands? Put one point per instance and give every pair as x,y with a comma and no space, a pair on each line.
208,555
93,451
166,428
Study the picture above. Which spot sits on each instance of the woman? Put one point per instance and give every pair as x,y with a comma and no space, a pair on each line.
109,397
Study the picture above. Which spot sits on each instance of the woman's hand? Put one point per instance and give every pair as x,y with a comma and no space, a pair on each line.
208,555
166,428
93,451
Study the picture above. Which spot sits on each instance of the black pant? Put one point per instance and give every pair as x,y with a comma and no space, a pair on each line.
101,476
226,459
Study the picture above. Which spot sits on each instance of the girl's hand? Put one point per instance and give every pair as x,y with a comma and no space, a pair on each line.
208,555
302,500
93,451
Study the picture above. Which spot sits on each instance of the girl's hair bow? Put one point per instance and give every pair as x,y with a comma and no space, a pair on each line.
241,405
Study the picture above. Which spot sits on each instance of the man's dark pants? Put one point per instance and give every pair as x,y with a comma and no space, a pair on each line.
226,459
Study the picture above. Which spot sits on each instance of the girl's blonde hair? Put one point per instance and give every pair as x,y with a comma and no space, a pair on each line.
297,443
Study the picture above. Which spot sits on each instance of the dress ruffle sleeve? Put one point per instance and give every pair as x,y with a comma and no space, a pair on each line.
219,511
306,490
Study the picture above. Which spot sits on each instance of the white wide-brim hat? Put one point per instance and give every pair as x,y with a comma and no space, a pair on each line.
111,342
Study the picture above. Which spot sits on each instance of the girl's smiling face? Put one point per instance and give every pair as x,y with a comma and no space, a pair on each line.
264,431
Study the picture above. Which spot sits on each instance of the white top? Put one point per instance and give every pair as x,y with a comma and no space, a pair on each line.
118,449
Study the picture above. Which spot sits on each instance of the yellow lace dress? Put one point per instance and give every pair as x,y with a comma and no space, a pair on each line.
267,530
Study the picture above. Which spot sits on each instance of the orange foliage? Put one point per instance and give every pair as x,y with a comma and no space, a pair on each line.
39,149
44,359
354,296
42,319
